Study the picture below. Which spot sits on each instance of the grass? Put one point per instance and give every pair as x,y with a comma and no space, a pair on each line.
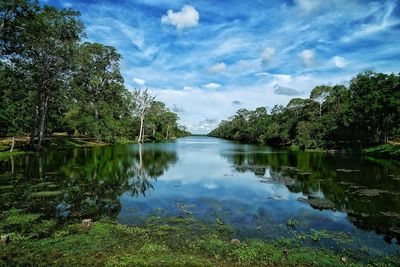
391,150
6,154
159,241
47,193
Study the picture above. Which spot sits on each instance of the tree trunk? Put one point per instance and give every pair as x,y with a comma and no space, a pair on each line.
320,111
143,132
42,121
34,125
141,129
12,144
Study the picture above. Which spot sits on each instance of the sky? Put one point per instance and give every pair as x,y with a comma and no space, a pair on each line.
207,59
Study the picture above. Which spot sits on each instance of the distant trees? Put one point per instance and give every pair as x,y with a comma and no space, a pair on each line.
367,112
51,81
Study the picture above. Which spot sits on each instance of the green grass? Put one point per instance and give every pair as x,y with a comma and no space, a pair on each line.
47,193
158,242
385,150
6,154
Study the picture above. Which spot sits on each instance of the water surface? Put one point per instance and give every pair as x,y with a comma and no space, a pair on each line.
349,201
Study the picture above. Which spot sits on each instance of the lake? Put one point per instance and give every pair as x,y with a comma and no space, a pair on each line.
338,200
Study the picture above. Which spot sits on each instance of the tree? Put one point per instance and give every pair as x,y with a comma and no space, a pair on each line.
367,112
374,103
46,60
97,96
15,104
15,15
319,95
143,100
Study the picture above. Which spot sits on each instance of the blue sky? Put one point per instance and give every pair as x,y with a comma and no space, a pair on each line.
206,59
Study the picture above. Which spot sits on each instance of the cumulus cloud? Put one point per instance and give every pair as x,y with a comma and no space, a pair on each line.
218,67
138,81
307,57
339,62
280,90
236,102
212,85
268,54
177,108
186,18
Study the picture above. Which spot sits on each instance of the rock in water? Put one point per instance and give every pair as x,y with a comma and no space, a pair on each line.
87,223
318,203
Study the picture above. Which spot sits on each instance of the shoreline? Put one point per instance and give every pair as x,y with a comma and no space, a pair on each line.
57,141
165,241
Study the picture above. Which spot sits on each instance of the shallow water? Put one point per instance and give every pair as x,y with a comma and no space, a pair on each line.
255,189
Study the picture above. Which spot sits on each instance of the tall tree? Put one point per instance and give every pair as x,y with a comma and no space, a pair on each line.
51,41
319,95
143,100
97,96
15,16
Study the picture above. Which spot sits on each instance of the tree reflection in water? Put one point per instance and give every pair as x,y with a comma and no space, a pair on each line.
81,183
364,188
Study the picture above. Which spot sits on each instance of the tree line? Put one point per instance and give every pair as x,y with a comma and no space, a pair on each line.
50,80
366,112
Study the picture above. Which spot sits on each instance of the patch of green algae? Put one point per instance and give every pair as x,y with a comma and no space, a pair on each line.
176,241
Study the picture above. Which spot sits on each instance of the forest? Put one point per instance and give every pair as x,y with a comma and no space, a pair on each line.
53,81
365,113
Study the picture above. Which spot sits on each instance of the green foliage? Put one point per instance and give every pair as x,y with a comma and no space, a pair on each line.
112,244
385,150
292,223
50,81
334,117
19,218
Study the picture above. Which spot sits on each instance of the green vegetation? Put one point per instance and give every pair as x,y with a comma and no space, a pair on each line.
385,150
50,81
334,117
159,242
13,153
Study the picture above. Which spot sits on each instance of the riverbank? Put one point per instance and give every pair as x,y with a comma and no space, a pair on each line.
159,241
388,150
57,141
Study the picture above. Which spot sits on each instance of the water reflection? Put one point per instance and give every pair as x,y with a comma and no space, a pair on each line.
368,190
255,189
81,183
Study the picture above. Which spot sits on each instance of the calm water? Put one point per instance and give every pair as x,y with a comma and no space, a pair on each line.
253,188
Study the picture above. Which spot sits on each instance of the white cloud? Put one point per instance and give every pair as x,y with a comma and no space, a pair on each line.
218,67
268,54
308,5
139,81
383,22
212,85
67,4
186,18
307,57
339,62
